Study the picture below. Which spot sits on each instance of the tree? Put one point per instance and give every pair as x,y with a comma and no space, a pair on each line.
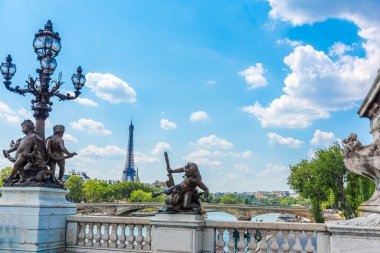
95,190
326,181
231,199
4,173
75,186
140,196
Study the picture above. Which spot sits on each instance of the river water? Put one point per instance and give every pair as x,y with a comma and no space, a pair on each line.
222,216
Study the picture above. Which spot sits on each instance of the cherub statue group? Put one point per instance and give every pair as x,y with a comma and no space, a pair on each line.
36,159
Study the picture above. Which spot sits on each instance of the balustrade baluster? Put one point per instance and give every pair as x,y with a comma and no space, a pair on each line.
122,237
297,246
113,237
220,242
81,234
274,245
90,235
241,242
147,238
105,236
131,237
139,237
309,245
252,245
263,246
285,244
231,241
96,242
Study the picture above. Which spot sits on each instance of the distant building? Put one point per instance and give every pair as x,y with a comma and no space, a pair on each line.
82,175
158,184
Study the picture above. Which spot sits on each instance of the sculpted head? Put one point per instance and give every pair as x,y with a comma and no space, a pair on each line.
27,125
191,170
59,129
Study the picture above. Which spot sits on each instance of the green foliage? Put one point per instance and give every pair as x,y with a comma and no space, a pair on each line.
75,186
4,173
140,196
326,182
216,200
231,199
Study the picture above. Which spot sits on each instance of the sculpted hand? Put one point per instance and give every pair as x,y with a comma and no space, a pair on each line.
5,153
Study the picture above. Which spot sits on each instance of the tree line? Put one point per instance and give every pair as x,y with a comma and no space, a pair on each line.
326,181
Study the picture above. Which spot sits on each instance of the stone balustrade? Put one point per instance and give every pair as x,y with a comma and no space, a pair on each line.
279,237
129,234
101,233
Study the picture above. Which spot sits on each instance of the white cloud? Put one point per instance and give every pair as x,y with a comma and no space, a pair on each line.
245,154
7,114
167,124
317,84
85,101
161,147
287,41
284,141
142,158
5,163
110,88
199,116
70,138
311,153
213,141
339,49
90,126
211,82
272,169
288,112
254,76
323,138
107,151
202,157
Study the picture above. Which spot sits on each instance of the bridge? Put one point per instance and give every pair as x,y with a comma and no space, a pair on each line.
241,212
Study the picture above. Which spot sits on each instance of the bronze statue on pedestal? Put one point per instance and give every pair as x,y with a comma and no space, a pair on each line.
184,197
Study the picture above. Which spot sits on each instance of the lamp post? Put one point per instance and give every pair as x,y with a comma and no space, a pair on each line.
47,45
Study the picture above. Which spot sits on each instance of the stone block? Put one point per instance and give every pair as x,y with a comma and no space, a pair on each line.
33,219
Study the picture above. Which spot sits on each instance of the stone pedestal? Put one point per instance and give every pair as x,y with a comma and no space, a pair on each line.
354,239
177,233
33,219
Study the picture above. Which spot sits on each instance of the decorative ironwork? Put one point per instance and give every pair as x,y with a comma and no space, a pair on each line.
47,45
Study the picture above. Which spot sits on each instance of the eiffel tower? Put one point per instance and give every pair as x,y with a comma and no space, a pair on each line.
129,172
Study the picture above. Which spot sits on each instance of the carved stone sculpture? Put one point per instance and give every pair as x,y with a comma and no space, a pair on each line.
31,159
365,160
184,197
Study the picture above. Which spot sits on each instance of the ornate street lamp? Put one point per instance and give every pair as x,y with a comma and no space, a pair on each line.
47,45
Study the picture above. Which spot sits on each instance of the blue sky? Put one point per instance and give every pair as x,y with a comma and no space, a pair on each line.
243,88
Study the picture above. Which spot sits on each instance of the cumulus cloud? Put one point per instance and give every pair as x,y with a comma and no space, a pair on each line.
287,41
254,76
107,151
245,154
199,116
85,101
202,157
161,147
213,141
90,126
317,84
70,138
167,124
211,82
323,138
7,114
142,158
339,49
110,88
275,139
272,168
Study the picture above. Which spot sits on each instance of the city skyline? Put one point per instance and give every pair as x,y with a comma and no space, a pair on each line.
244,89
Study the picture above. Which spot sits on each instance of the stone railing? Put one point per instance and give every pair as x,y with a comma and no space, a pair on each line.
126,234
279,237
105,233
